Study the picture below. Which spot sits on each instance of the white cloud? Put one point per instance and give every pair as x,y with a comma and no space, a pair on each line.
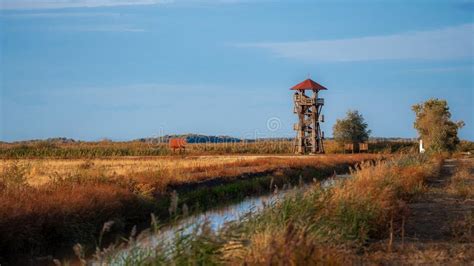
445,43
445,69
60,15
54,4
99,28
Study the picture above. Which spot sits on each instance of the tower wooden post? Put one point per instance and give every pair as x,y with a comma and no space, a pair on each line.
309,137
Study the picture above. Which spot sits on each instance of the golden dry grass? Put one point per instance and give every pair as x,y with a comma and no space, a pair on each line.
322,227
357,221
50,202
462,182
162,171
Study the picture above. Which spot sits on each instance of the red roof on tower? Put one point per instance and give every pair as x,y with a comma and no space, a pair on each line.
308,84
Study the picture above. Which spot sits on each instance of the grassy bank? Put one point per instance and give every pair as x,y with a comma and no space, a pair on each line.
319,226
101,149
461,183
69,208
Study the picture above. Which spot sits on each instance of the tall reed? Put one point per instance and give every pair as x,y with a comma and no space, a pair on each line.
318,226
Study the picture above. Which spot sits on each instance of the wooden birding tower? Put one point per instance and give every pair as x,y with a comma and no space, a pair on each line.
309,137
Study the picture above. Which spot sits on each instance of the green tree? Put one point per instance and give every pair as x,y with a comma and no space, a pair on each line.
351,129
435,127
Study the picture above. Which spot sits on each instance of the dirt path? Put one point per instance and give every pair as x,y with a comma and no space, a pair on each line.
439,228
433,216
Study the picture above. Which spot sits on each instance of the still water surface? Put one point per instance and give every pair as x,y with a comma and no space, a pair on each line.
216,218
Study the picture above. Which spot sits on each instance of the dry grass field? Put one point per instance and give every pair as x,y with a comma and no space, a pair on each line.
409,209
47,205
53,196
162,171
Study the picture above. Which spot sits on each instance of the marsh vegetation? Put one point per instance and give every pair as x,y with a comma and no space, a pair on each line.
97,198
357,220
48,205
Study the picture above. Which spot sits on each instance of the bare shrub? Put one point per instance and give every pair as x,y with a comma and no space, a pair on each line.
13,176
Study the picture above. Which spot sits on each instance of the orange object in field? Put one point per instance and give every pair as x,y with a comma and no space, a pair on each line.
177,143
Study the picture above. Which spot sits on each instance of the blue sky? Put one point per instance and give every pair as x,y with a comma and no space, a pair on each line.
128,69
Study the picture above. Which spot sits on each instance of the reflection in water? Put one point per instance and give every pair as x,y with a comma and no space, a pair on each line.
218,217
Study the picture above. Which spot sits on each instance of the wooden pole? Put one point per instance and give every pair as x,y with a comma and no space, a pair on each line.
314,118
